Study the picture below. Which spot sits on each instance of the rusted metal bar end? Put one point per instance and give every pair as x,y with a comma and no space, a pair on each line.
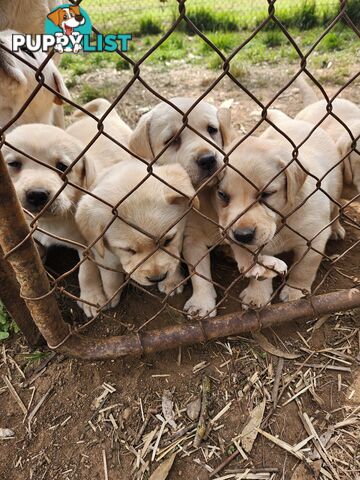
26,263
15,305
226,325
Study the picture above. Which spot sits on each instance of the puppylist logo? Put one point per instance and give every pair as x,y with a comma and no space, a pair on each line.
68,28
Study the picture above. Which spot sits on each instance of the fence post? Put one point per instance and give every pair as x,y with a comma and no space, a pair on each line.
26,263
15,305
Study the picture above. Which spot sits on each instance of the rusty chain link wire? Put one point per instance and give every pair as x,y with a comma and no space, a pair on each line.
227,292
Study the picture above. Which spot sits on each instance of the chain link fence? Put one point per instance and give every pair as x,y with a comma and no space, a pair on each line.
149,223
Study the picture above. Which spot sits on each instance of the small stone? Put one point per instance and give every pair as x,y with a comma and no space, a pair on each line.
193,409
6,433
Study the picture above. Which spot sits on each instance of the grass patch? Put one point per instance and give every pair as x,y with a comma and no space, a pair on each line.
208,20
353,11
7,326
226,42
111,17
36,356
150,25
174,48
304,16
122,64
89,93
332,41
273,38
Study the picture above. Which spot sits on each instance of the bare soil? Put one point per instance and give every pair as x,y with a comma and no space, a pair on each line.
68,436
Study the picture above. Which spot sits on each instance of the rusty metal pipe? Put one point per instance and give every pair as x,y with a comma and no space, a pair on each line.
26,263
211,328
15,305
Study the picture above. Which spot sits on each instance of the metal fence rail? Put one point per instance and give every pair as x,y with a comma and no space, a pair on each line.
40,290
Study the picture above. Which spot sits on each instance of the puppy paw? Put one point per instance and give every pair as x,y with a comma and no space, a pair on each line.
289,293
337,231
171,286
270,267
200,306
96,297
255,296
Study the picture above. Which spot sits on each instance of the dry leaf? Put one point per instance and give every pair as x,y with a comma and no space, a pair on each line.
270,348
163,470
193,409
6,433
321,322
249,433
167,408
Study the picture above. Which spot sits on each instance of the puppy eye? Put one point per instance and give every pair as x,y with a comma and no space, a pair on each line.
224,197
61,166
168,241
16,165
265,195
129,250
212,130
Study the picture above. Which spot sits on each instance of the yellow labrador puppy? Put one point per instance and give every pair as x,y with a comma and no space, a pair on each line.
156,131
40,186
282,209
349,114
144,238
202,159
85,128
17,82
26,17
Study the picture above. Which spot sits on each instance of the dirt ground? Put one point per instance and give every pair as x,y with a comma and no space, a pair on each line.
105,421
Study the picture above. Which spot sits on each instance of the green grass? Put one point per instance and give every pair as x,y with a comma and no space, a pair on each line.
127,17
149,25
340,46
207,20
353,11
7,326
36,356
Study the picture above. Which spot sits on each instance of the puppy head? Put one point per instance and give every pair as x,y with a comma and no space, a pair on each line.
18,82
351,162
157,128
153,211
247,208
35,184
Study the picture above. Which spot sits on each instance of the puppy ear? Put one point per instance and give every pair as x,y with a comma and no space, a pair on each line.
91,223
344,147
175,175
9,68
295,178
55,16
140,142
56,82
226,130
90,171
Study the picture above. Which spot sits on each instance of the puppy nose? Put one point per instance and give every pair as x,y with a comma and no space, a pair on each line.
244,235
79,18
207,162
157,278
37,197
